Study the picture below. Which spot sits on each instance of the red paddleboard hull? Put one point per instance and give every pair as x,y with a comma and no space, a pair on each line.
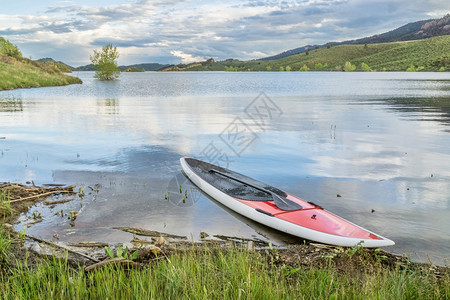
256,200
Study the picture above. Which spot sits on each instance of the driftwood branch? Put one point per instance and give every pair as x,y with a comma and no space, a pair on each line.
62,247
69,189
116,260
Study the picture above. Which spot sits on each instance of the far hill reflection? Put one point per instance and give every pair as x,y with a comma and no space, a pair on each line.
11,104
108,106
435,109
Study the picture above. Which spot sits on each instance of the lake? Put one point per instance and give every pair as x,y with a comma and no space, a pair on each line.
381,141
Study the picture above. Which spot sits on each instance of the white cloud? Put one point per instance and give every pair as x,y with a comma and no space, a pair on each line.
201,29
187,58
255,54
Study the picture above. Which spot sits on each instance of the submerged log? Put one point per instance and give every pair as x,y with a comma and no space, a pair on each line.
62,247
90,244
145,232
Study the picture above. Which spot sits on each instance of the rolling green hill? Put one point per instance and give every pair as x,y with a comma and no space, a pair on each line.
412,31
24,73
59,64
145,66
19,72
431,54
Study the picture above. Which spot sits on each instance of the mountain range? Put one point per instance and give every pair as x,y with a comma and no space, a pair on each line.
66,68
411,31
145,66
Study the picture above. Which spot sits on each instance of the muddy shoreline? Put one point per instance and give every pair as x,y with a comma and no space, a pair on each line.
149,245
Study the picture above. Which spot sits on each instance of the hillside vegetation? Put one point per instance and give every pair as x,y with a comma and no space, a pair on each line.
412,31
59,64
19,72
431,54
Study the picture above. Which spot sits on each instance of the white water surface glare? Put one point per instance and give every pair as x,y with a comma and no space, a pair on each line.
381,141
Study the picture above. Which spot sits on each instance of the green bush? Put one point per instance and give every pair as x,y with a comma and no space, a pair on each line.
319,66
411,68
105,63
231,69
348,67
365,67
304,68
8,49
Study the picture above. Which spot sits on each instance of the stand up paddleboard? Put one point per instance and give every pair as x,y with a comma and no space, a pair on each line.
276,209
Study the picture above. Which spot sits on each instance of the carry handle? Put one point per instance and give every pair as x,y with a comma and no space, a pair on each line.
281,203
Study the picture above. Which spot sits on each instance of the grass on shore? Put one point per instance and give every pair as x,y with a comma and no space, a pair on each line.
207,273
25,73
5,205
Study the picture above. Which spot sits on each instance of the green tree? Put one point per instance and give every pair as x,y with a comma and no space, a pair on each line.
105,63
288,68
304,68
365,67
268,68
411,68
348,67
231,69
281,69
8,49
319,66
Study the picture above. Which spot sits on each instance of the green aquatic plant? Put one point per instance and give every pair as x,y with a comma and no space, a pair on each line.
358,248
37,215
185,196
22,234
72,215
121,253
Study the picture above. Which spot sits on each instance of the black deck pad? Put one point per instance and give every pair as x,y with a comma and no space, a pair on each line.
240,186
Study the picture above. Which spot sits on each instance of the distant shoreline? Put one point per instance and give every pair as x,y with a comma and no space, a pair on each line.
410,56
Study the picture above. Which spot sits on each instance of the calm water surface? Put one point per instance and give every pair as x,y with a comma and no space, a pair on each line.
380,140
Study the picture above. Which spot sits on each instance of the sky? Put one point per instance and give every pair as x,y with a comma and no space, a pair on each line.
173,31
